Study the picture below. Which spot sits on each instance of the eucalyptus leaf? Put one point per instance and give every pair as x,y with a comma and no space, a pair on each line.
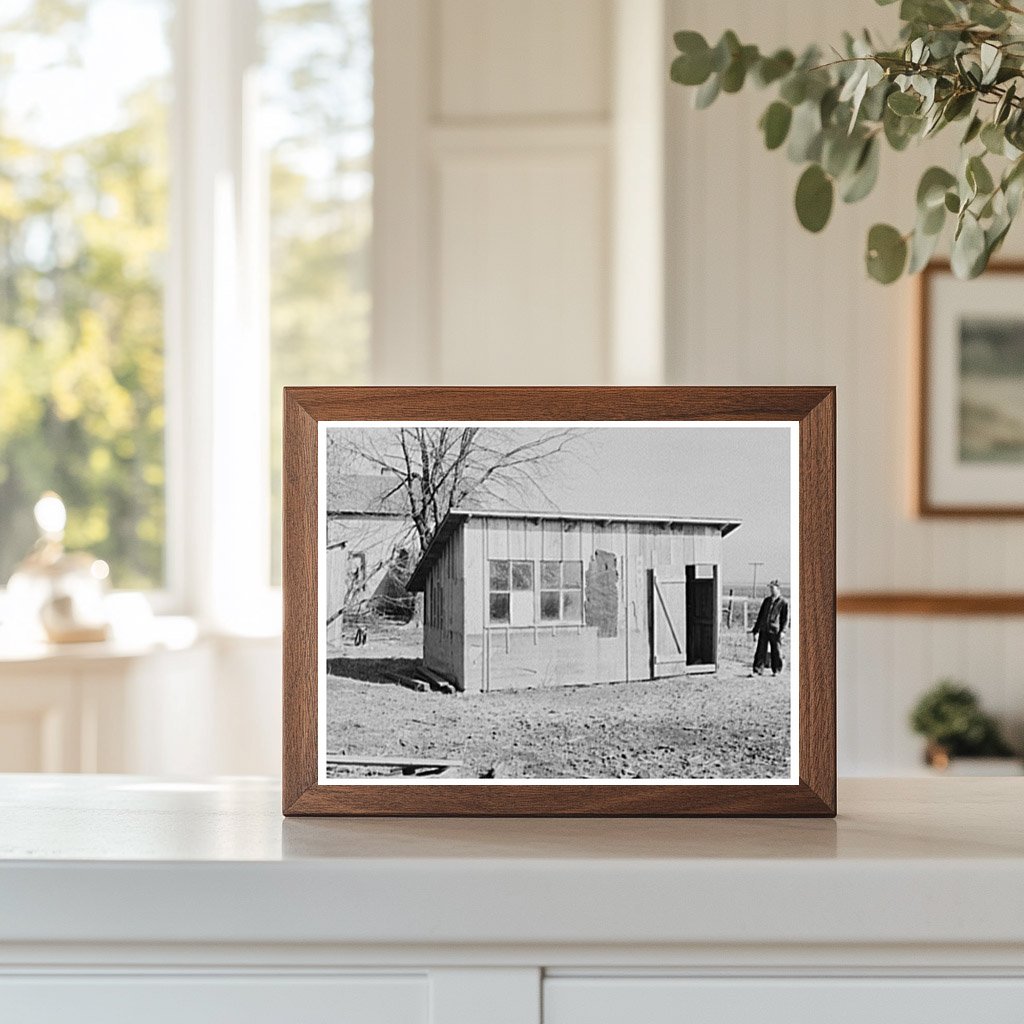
968,248
886,253
958,105
814,196
707,93
805,133
865,173
900,130
922,248
725,49
775,124
973,130
978,176
794,88
991,60
735,74
903,103
771,69
688,69
840,152
932,221
987,15
993,138
931,190
1005,105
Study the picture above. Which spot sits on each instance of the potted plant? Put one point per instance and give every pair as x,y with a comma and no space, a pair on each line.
956,62
950,718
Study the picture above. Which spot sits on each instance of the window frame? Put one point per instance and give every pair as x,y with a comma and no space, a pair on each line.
562,590
537,590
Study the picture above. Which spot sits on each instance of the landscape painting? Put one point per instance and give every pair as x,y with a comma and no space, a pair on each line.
540,602
992,390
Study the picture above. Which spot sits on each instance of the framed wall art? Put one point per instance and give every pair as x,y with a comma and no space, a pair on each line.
559,601
970,450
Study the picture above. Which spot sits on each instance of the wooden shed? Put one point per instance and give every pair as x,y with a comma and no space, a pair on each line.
515,600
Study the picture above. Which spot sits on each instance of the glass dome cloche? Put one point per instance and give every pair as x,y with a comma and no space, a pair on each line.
57,595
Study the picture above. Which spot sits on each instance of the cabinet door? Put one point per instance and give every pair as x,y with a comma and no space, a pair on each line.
782,1001
202,999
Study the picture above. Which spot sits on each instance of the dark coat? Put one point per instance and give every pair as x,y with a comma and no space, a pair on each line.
773,615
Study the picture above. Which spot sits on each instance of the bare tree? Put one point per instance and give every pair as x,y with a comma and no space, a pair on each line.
435,469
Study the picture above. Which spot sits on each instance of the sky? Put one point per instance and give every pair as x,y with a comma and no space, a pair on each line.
734,472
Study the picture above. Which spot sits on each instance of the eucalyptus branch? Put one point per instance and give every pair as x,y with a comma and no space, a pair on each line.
955,61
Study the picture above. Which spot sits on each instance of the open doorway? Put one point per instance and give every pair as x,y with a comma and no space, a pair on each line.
701,617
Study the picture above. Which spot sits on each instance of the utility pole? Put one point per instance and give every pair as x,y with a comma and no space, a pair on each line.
753,592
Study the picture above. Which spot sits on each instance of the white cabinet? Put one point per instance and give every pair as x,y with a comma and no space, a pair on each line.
829,1000
216,1000
127,899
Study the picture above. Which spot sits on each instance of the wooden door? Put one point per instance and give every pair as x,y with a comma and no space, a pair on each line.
683,621
667,620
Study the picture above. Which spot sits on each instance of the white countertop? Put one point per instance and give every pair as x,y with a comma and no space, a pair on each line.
122,859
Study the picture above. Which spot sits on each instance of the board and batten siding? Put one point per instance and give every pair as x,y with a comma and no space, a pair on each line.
754,299
544,654
444,621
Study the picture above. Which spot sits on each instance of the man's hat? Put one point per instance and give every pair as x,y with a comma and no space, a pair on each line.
774,583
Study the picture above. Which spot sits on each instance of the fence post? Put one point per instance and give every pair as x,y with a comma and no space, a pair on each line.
744,615
728,611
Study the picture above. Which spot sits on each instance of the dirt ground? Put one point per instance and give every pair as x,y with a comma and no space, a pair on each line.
726,725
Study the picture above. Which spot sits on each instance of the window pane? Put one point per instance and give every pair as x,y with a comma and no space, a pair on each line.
499,575
522,575
571,605
549,604
83,235
551,575
317,88
499,607
573,575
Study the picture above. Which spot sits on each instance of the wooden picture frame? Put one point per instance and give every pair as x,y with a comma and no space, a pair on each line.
810,791
943,489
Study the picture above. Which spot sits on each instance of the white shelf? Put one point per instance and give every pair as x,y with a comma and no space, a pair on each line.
121,859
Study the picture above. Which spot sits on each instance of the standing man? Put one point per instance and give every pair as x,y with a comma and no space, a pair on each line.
772,619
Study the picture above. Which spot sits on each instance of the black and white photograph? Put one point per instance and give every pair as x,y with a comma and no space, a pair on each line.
558,602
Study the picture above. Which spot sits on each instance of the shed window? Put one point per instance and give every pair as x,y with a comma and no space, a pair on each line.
561,595
511,593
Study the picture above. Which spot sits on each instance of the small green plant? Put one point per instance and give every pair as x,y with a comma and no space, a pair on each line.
950,717
956,61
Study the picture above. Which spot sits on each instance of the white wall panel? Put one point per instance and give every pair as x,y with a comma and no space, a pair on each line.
526,58
522,284
754,299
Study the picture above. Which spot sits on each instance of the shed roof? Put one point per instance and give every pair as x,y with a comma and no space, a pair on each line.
457,516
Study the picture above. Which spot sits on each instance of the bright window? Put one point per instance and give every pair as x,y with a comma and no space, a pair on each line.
83,238
317,120
258,218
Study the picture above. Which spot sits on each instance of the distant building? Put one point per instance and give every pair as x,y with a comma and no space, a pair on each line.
370,549
515,600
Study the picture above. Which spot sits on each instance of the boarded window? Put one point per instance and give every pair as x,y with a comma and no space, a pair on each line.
602,604
560,596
